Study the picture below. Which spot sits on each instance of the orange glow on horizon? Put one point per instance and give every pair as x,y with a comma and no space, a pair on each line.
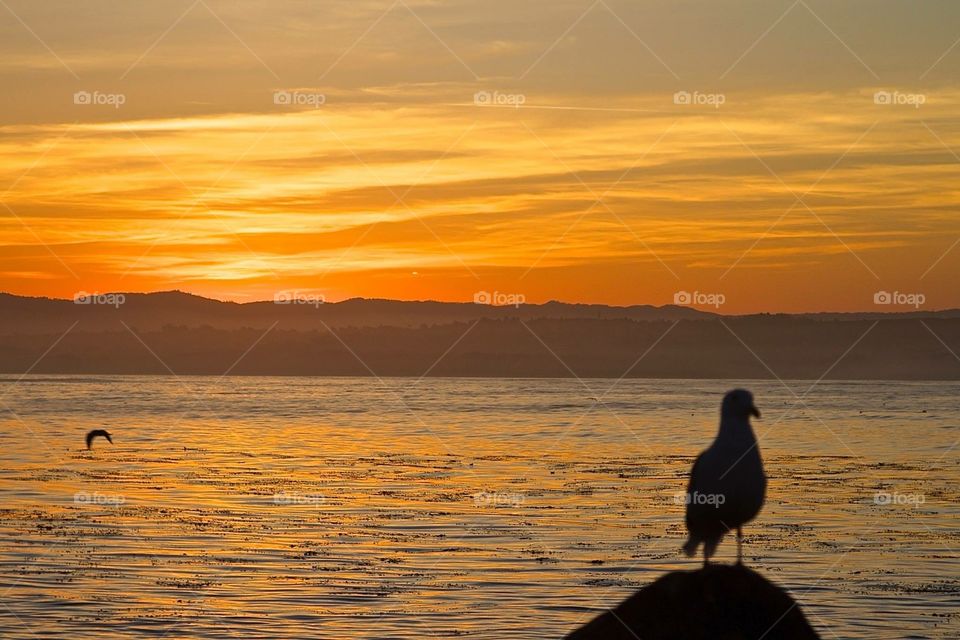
784,198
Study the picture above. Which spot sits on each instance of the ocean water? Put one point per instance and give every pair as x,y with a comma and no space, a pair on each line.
357,508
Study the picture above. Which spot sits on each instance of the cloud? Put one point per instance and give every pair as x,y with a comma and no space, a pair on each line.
203,177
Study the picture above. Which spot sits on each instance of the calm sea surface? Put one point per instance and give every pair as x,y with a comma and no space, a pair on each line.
352,508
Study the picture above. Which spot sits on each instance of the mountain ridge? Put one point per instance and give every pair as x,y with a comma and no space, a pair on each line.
22,314
154,310
179,333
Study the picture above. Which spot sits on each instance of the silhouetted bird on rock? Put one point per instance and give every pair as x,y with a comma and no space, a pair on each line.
727,482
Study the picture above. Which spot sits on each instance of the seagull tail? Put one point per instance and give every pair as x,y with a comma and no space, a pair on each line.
690,548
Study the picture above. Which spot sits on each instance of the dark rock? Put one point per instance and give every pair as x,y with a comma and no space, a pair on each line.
720,602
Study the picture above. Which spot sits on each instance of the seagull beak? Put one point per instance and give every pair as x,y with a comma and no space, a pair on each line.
754,411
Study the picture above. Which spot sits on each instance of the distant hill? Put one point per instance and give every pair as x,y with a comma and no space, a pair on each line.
152,311
172,331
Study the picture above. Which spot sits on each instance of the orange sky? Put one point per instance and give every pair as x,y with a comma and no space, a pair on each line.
798,193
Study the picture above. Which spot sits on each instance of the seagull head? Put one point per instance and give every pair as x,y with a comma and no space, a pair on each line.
739,404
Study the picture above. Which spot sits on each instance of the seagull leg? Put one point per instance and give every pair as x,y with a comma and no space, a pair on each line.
739,546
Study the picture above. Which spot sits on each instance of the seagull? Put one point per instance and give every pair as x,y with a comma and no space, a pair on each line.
727,482
98,432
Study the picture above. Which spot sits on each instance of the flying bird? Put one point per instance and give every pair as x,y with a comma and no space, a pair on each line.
727,482
98,433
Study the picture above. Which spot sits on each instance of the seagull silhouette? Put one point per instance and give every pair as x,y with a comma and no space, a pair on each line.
98,432
727,482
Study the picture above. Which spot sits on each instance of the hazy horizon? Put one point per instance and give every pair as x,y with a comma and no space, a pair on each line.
706,308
